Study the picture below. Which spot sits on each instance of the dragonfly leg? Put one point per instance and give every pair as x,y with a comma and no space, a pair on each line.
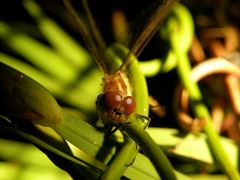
116,128
108,130
131,163
112,129
146,119
155,107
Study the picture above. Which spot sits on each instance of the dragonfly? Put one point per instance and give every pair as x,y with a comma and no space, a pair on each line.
117,102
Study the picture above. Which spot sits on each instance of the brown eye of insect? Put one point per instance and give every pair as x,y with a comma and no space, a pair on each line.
129,104
112,99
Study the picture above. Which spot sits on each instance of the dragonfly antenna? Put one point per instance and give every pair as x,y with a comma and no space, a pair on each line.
94,28
149,30
96,46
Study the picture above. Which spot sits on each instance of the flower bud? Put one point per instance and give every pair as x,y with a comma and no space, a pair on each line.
22,98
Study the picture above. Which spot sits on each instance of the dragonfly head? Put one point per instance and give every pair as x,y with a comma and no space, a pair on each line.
115,109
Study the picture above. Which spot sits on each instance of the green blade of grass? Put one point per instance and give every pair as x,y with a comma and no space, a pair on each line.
58,38
39,54
42,143
30,71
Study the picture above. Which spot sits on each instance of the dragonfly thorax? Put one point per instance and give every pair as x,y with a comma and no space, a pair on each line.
117,82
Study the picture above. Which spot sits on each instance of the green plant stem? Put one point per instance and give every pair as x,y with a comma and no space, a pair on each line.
135,130
151,150
121,161
128,151
181,32
201,111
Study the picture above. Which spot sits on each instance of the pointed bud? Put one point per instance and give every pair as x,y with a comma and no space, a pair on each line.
22,98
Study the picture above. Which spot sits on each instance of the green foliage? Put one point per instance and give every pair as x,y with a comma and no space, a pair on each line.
74,138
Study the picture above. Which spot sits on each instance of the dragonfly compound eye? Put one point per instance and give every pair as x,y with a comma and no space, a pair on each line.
112,99
129,104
